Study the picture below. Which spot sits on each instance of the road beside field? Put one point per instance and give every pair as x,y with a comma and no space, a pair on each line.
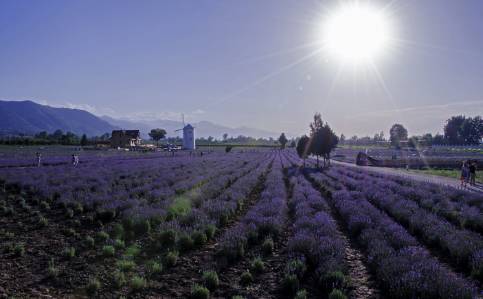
440,180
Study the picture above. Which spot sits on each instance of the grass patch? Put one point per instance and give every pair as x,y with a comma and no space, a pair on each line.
449,173
181,206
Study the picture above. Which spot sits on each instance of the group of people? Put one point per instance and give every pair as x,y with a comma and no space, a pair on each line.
468,173
75,159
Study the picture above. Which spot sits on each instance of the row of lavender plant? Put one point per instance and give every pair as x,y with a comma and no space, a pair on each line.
213,209
403,267
152,180
457,206
183,203
464,247
263,222
316,245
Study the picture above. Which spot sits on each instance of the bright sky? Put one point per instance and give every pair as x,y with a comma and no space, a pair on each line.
242,62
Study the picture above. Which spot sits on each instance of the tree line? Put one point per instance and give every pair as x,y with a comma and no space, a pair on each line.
458,130
57,137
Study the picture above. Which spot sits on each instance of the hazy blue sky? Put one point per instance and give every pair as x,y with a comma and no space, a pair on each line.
240,62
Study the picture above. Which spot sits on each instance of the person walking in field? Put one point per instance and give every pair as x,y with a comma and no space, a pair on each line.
39,158
75,159
473,173
465,173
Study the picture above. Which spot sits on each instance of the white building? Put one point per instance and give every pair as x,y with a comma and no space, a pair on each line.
189,137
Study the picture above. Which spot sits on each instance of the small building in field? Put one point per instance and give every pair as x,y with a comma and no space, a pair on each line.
125,138
189,137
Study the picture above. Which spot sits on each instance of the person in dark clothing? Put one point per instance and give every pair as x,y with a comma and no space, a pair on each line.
473,173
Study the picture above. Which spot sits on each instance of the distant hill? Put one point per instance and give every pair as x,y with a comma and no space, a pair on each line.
28,117
203,128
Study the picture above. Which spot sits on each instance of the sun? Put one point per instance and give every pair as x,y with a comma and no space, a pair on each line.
355,33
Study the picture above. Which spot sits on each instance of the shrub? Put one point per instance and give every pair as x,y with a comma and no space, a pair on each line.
69,213
7,211
210,279
89,242
302,294
106,216
200,292
78,208
333,280
19,249
119,244
137,283
185,243
153,267
132,251
237,297
102,236
142,227
108,251
117,231
296,267
257,266
167,238
126,265
337,294
44,205
210,231
43,222
118,279
70,232
228,148
171,258
290,283
93,286
246,278
69,252
199,238
267,246
52,271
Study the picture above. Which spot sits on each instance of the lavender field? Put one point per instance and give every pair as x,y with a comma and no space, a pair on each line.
252,223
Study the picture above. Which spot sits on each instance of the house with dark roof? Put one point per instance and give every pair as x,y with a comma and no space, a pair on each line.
125,138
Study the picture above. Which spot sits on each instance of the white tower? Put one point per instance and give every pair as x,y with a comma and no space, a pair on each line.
189,137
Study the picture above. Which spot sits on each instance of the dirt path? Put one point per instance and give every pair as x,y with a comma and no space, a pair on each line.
427,178
364,285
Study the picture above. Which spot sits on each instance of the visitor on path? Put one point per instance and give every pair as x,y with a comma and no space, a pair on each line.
473,173
465,173
75,160
39,158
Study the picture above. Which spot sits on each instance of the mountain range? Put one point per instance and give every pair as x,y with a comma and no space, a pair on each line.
28,117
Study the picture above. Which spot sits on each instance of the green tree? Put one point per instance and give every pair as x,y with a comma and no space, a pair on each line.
323,139
283,140
83,141
453,130
303,147
157,134
397,134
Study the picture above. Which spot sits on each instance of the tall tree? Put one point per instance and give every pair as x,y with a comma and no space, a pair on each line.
323,139
225,137
83,141
303,147
283,140
453,130
397,134
157,134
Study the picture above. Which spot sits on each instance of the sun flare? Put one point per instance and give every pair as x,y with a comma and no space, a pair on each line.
355,33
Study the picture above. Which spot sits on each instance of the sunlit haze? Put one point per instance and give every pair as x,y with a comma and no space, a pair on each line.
355,33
